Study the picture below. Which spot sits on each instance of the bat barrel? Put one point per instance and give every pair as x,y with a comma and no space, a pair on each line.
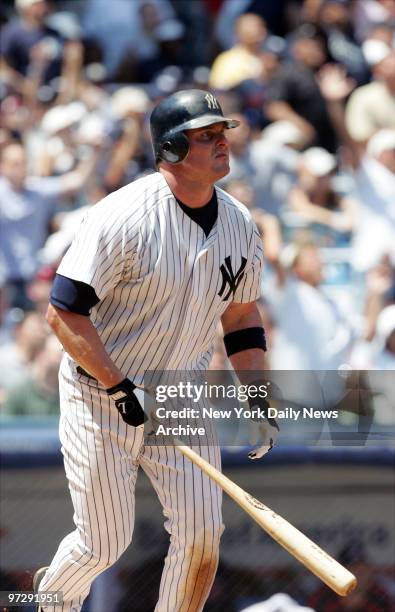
294,541
305,550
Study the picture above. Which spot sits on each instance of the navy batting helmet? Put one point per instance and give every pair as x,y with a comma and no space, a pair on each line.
183,110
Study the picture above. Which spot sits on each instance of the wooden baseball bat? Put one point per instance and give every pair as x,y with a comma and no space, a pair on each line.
294,541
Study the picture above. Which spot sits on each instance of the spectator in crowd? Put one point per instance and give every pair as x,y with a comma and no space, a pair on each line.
56,154
242,190
59,241
38,393
68,86
38,61
335,19
378,357
278,16
131,153
253,92
379,353
372,106
243,61
294,94
19,353
331,216
380,292
195,16
371,13
383,32
384,358
18,111
128,35
28,43
299,307
275,158
27,205
167,42
374,175
39,289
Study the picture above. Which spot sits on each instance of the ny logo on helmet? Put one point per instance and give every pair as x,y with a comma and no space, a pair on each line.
211,101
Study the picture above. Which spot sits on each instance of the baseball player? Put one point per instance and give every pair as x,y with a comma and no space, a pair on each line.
151,271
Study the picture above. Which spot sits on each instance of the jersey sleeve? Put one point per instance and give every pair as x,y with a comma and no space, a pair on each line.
249,288
97,255
72,296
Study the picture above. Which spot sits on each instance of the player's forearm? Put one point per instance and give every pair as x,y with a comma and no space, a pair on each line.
81,341
247,364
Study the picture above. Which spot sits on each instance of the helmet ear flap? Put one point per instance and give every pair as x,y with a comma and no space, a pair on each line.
175,148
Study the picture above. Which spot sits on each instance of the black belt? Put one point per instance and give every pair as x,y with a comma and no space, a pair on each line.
85,373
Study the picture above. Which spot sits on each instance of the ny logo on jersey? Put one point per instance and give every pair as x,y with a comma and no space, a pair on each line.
211,101
229,278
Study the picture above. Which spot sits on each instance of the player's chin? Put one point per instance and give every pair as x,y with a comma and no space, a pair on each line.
222,167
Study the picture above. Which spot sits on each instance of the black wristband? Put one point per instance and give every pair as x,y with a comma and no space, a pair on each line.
259,402
127,403
243,339
125,385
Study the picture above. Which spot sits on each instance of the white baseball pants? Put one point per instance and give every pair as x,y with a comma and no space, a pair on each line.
102,456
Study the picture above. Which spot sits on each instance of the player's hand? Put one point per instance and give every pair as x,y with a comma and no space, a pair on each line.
265,433
128,406
263,429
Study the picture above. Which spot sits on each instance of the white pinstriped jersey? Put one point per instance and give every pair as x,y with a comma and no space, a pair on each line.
162,284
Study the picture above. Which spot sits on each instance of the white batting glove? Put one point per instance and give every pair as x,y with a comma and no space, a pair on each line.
149,406
263,429
266,433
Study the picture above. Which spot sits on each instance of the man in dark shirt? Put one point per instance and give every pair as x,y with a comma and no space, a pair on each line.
294,94
27,39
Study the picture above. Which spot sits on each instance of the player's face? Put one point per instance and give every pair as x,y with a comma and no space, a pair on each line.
208,155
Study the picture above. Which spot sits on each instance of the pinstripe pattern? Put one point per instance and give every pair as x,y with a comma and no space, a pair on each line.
159,281
154,271
101,456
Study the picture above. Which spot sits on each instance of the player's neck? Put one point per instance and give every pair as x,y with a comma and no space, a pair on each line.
189,192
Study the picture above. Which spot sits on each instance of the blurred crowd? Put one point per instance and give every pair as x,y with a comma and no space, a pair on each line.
313,84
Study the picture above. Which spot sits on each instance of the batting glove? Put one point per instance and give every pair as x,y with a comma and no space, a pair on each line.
264,430
127,404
